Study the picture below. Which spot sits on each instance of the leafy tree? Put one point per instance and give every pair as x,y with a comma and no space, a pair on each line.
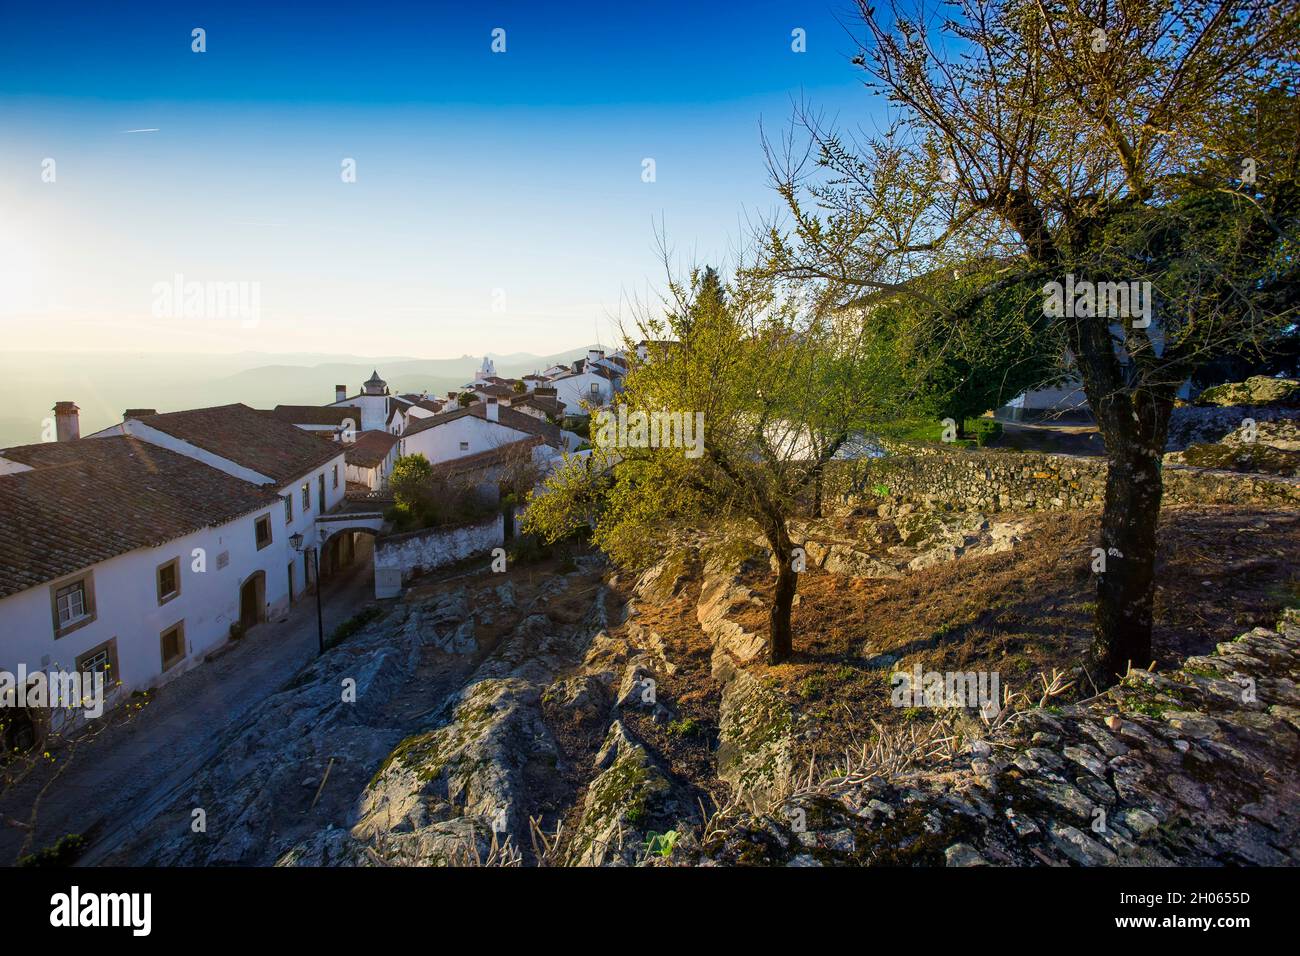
979,353
779,389
1153,141
466,399
409,480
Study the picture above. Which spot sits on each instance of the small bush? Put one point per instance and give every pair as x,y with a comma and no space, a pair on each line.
529,549
985,430
685,727
63,853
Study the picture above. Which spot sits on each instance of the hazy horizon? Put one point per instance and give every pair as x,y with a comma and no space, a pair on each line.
103,389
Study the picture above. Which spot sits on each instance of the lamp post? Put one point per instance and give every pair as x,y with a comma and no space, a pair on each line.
295,540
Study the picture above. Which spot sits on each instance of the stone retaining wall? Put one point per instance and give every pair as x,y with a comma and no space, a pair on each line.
992,480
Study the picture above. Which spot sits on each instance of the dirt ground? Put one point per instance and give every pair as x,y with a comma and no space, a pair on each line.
1051,438
1020,613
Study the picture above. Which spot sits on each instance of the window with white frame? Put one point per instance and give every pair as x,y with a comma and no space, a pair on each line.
71,602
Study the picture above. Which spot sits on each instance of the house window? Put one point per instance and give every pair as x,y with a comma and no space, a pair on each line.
223,559
263,529
595,388
169,580
320,492
288,509
173,645
336,476
100,660
306,497
464,446
72,604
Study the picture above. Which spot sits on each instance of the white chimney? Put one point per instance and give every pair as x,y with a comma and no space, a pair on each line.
340,393
67,423
493,410
594,354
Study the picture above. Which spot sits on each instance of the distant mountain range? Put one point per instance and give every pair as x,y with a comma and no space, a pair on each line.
104,384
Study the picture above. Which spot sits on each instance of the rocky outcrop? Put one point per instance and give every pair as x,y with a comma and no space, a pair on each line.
486,763
335,718
1198,767
722,595
755,741
905,539
631,798
1256,390
1195,425
1266,447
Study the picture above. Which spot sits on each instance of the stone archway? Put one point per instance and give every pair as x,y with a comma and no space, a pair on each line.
345,547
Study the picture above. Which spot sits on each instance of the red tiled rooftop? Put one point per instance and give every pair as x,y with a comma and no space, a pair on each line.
89,500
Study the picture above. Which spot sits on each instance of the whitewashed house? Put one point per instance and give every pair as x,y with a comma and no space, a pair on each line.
481,427
592,381
308,472
420,406
121,556
370,459
380,410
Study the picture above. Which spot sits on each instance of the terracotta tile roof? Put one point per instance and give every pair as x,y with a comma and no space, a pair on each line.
546,403
335,415
587,367
495,391
240,434
511,419
370,448
92,499
429,405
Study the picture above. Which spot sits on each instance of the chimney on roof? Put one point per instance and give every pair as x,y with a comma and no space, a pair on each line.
67,423
577,366
595,354
340,393
493,410
138,413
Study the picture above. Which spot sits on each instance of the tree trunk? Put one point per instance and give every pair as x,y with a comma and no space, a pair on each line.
1122,625
780,638
1134,487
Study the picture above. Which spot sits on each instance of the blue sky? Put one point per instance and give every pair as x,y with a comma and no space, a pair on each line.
498,202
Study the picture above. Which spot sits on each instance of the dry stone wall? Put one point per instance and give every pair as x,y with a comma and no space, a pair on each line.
992,480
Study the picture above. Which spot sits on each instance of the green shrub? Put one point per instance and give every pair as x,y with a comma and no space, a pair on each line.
685,727
985,430
61,854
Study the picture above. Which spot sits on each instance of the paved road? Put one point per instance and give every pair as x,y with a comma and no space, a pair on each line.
120,777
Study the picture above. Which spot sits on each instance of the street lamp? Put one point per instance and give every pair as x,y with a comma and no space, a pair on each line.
295,541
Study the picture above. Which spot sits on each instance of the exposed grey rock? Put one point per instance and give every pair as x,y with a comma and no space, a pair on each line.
963,854
1101,783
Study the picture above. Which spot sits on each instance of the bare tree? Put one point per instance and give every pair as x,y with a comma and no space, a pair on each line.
1148,146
